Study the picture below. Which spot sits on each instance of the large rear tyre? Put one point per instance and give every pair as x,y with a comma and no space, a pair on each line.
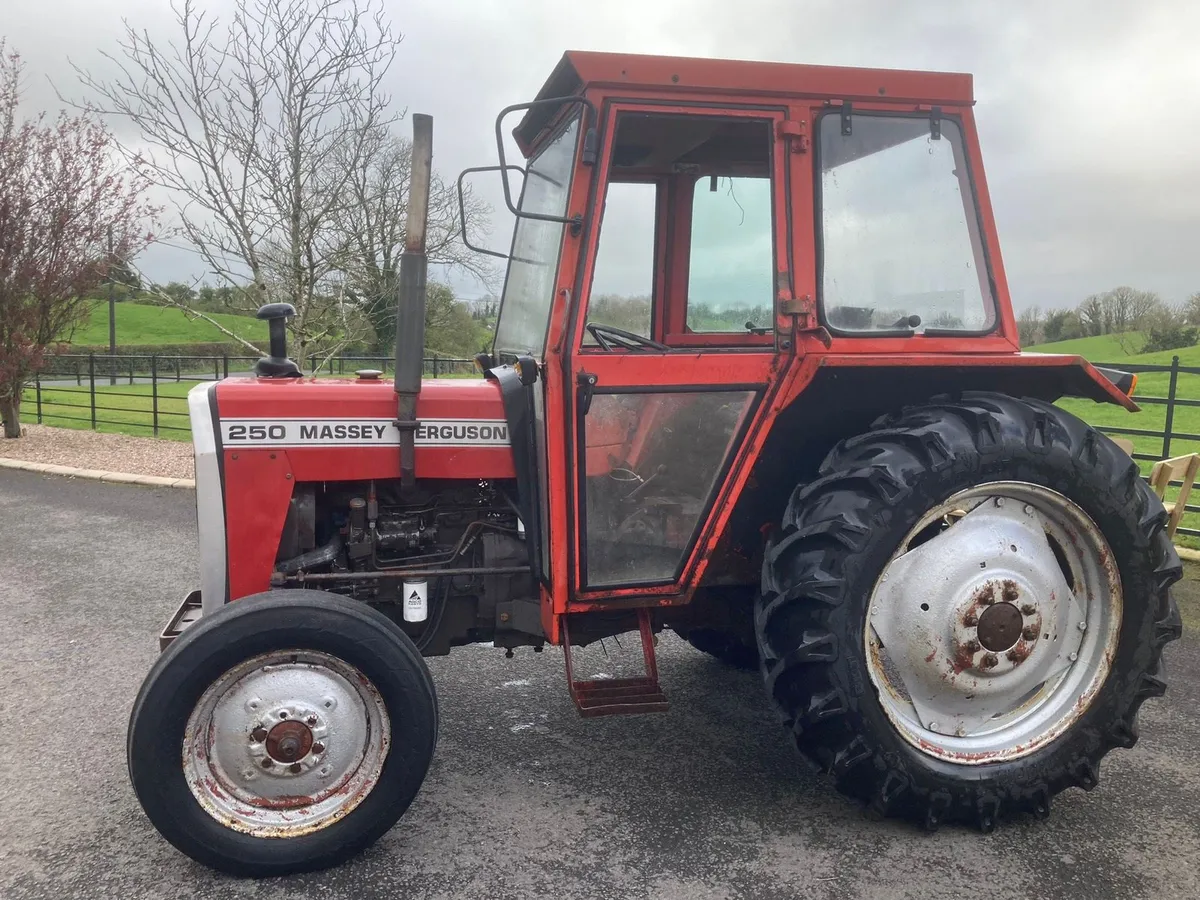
962,614
284,733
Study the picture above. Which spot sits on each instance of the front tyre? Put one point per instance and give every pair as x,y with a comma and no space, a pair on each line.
963,613
282,734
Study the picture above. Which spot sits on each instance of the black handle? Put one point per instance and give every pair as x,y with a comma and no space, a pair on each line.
277,365
277,315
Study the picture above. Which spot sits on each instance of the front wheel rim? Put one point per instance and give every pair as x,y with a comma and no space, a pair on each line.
993,626
286,743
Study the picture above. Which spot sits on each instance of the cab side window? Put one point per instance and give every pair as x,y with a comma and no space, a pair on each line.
731,258
686,247
623,282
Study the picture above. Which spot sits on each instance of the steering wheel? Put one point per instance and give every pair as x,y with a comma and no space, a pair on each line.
609,336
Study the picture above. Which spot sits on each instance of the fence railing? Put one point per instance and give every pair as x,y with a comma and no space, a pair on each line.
1166,441
147,394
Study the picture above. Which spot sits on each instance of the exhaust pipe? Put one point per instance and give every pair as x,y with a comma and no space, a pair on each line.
410,297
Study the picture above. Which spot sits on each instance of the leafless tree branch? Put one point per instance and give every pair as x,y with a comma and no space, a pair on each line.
251,123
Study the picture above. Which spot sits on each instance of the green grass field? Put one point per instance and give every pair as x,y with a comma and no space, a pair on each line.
1105,348
140,324
1109,348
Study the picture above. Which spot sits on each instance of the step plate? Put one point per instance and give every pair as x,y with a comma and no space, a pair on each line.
618,696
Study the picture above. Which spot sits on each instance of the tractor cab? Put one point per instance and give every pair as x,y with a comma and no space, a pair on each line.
680,209
697,244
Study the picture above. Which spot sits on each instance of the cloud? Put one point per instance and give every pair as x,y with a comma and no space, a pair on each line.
1088,109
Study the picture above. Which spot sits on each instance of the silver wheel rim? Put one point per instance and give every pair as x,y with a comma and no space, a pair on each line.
993,626
286,743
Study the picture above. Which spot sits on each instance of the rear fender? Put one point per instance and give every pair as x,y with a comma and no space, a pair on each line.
844,396
1046,376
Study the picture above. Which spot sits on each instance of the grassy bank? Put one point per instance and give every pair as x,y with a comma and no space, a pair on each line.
139,324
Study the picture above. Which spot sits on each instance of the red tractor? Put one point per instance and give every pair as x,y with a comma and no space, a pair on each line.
755,379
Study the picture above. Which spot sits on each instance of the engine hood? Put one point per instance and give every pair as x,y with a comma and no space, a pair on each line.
462,430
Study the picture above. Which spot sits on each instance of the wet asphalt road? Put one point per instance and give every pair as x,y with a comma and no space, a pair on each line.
524,799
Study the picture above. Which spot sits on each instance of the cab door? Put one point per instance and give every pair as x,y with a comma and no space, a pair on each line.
673,342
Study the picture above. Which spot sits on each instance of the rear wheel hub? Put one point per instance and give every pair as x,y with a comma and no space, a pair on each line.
1000,626
992,628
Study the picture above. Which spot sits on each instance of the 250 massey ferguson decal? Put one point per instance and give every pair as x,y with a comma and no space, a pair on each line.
361,433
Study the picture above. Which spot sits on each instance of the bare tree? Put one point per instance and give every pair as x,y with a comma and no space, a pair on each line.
1191,309
1120,310
257,126
61,195
1029,326
1091,315
1129,308
372,221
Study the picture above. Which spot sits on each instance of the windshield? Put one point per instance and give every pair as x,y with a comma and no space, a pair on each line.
899,231
529,287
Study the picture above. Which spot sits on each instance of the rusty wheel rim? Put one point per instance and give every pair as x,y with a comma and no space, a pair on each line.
992,628
286,743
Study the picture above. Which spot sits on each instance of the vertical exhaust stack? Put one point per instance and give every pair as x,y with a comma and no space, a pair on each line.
410,297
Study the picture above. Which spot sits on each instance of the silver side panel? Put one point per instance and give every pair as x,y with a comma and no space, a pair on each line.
210,499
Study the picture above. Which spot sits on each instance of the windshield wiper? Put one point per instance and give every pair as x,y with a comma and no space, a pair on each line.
907,323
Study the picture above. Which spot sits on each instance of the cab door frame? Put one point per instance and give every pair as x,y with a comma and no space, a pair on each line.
706,364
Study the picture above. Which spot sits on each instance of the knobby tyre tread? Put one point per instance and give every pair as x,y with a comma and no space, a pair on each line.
837,534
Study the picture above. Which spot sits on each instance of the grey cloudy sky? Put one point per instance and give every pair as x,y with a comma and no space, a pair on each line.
1089,110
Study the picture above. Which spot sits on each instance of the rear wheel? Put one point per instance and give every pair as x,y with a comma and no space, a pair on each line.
963,613
284,733
726,646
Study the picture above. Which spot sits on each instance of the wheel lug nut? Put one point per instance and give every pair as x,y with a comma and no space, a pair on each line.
990,661
1028,609
318,748
258,735
1014,656
1030,633
294,768
972,646
267,763
311,720
971,620
999,501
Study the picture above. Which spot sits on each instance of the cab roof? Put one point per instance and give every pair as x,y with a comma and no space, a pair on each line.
579,70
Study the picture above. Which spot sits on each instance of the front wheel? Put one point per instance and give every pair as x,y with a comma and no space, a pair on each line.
963,613
282,734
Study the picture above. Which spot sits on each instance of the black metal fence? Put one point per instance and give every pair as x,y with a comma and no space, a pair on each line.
1180,387
147,394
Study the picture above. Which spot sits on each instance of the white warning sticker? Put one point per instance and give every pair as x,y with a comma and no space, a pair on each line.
361,433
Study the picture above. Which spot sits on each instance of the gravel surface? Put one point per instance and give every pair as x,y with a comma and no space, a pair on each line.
96,450
525,800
